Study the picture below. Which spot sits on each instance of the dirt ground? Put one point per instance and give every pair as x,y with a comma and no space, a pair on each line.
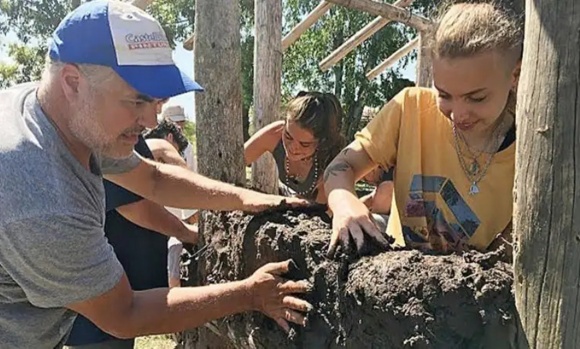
395,299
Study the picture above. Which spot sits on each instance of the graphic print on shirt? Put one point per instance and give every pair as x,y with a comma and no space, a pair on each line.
439,234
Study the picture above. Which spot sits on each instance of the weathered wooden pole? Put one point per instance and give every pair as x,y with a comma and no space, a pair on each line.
267,84
392,59
217,64
358,38
388,11
306,23
547,181
424,62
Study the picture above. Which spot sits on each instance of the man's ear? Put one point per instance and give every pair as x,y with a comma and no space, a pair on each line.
70,80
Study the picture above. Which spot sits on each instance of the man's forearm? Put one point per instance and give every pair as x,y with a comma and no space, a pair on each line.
164,310
154,217
174,186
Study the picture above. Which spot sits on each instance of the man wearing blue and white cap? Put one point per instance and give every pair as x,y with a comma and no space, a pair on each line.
109,65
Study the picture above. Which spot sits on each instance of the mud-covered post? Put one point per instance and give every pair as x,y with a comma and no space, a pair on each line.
547,217
218,109
267,84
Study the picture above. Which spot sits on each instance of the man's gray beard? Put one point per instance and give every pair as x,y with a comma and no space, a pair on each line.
84,127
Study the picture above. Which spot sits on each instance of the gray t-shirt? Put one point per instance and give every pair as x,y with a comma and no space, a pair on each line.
53,250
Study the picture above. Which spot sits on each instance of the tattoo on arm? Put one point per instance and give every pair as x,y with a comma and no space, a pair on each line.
334,169
345,151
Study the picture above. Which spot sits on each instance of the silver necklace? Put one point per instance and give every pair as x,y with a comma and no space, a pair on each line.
473,173
314,180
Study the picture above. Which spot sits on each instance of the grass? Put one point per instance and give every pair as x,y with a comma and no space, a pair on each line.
154,342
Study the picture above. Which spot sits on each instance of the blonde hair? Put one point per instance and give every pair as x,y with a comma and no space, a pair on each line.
467,29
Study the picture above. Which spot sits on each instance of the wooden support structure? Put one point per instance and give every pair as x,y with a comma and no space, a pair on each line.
306,23
392,59
358,38
142,4
388,11
547,178
424,63
267,84
219,107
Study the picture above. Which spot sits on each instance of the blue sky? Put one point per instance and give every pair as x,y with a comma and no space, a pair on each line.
184,60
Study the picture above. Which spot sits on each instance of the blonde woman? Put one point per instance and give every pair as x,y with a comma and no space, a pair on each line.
452,146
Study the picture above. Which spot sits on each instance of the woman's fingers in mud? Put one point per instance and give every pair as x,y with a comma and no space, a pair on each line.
339,235
375,234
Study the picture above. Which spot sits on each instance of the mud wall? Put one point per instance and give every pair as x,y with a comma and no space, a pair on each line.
397,299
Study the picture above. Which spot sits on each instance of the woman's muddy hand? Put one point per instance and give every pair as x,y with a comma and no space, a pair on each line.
353,220
276,297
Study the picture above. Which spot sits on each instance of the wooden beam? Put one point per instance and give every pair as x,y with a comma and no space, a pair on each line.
142,4
188,44
424,64
306,23
267,85
388,11
358,38
394,58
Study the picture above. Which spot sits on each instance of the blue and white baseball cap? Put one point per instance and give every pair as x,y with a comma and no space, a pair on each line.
125,38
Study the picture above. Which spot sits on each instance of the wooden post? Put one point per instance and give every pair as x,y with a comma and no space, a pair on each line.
388,11
267,84
358,38
219,109
392,59
424,63
306,23
547,182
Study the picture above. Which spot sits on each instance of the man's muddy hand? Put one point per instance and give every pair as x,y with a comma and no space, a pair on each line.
276,297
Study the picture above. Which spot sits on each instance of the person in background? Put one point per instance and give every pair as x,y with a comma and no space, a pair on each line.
167,143
379,200
176,114
302,144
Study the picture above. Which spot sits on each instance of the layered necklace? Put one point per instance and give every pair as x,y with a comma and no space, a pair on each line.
472,167
314,179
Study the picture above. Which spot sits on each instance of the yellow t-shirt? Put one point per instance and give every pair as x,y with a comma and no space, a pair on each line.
432,207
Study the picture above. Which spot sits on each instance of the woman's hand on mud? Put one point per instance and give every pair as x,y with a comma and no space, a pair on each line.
353,220
275,297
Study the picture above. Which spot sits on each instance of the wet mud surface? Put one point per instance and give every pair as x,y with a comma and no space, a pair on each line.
394,299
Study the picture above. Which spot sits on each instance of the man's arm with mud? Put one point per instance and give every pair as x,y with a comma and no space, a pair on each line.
128,314
174,186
